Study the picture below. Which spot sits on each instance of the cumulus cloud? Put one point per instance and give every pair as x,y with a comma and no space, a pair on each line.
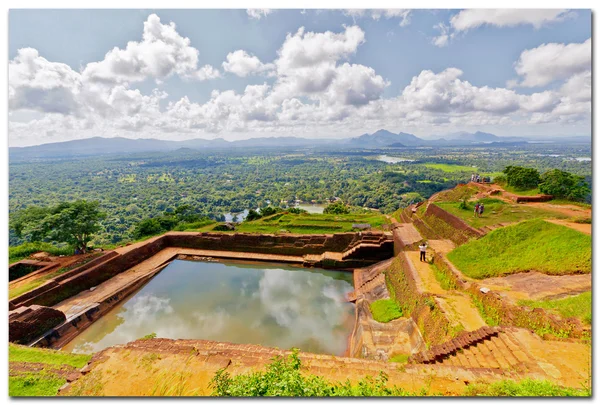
258,13
549,62
243,64
469,19
444,37
161,54
37,84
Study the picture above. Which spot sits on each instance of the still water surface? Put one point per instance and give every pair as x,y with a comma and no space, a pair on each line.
270,304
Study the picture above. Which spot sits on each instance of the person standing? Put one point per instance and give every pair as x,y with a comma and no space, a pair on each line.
480,210
422,249
476,210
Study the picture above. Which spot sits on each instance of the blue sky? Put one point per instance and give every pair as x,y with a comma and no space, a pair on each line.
346,73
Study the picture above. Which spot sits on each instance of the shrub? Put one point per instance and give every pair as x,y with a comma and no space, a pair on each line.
385,310
283,378
564,185
337,207
522,178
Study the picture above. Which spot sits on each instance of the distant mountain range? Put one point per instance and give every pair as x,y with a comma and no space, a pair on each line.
377,140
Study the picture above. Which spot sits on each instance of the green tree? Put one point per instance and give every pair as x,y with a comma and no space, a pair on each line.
522,178
253,215
564,185
73,223
337,207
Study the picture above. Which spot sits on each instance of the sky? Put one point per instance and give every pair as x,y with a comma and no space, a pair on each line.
242,73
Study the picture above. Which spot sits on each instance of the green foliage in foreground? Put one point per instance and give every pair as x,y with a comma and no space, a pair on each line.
46,356
283,378
35,385
446,282
337,207
525,388
16,253
528,246
578,306
385,310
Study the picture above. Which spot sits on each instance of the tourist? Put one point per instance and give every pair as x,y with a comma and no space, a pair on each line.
480,210
422,249
476,210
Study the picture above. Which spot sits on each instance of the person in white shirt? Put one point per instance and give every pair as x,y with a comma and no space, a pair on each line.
422,249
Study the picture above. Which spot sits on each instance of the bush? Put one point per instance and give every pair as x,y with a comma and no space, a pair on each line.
337,207
385,310
522,178
525,388
283,378
564,185
16,253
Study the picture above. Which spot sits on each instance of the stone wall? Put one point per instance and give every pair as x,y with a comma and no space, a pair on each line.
456,229
422,307
27,323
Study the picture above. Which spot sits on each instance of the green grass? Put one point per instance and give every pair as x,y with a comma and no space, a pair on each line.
446,282
46,356
534,245
525,388
530,192
450,168
578,306
34,385
311,223
400,358
45,382
385,310
496,211
16,253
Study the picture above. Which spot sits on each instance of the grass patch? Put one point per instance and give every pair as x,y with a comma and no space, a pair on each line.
583,220
16,253
525,388
385,310
34,385
446,282
534,245
488,314
456,194
311,223
445,167
400,358
495,211
46,356
578,306
530,192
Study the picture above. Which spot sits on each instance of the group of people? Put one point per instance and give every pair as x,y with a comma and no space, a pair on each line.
476,178
478,210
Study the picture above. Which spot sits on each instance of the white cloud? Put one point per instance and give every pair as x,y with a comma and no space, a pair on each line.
444,37
161,54
243,64
549,62
469,19
258,13
37,84
402,14
578,87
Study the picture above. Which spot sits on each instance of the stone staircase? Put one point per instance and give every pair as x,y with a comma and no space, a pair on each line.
487,347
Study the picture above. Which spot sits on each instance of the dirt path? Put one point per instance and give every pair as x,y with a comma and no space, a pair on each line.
568,210
585,228
537,286
457,306
430,284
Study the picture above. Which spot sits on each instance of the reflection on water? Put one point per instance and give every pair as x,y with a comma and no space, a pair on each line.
392,159
312,208
269,304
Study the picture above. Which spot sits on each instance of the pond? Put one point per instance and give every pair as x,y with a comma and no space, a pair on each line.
393,159
312,208
271,304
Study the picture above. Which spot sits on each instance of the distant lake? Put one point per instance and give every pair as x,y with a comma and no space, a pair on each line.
392,159
312,208
580,159
236,216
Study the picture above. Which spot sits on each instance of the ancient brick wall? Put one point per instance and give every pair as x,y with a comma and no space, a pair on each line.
421,306
28,323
